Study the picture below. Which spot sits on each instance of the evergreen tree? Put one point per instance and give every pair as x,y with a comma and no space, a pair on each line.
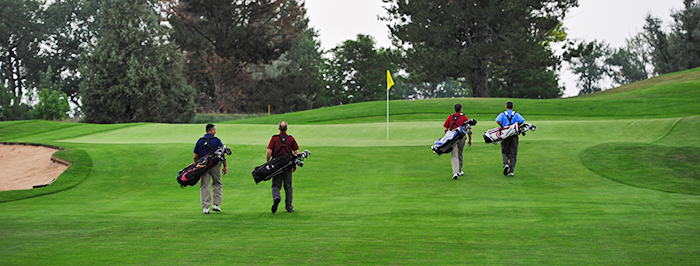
357,72
684,40
474,39
539,83
21,32
71,26
628,64
591,68
133,73
223,39
53,104
661,57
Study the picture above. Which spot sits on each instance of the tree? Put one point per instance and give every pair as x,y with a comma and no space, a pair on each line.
591,69
52,105
661,58
539,83
133,73
475,39
684,40
628,64
71,26
12,108
357,72
224,37
20,36
447,89
291,83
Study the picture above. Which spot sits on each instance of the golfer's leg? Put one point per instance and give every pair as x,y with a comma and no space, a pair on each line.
505,150
204,190
288,191
461,154
513,153
216,186
454,158
276,185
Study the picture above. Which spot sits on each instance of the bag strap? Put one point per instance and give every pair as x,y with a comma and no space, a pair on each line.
284,143
510,118
455,118
206,143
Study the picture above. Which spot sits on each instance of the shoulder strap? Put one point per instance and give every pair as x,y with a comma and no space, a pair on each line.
284,143
454,119
206,143
510,118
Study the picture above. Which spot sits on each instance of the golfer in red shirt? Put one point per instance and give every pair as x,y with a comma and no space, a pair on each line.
279,145
454,121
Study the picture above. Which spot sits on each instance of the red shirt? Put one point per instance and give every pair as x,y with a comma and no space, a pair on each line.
450,122
276,145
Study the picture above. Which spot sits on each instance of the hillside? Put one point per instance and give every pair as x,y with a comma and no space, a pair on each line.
671,95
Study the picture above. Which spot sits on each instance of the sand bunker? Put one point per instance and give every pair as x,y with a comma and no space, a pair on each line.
26,166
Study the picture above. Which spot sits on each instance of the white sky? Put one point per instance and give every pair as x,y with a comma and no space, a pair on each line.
610,20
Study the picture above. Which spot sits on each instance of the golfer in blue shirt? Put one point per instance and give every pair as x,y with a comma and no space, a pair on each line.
509,146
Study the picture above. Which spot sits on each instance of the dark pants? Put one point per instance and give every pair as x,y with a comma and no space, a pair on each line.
285,179
509,151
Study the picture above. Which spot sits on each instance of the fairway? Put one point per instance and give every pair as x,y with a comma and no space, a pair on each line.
611,178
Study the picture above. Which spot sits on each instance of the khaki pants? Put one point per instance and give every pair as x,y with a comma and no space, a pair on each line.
211,180
457,157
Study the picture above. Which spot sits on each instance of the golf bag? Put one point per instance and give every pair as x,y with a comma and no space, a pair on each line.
452,137
189,176
497,135
278,165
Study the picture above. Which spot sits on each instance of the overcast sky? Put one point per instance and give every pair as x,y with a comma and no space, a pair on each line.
610,20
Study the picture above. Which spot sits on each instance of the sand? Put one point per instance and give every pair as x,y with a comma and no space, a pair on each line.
26,166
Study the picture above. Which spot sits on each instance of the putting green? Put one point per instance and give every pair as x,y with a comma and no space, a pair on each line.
375,134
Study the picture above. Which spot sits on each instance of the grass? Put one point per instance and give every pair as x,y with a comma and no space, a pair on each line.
577,197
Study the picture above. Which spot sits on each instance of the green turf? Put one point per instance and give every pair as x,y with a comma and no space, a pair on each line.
578,197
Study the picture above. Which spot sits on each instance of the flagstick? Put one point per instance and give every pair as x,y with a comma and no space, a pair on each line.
387,113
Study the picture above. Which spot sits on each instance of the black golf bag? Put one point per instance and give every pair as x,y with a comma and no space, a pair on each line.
189,176
452,137
278,165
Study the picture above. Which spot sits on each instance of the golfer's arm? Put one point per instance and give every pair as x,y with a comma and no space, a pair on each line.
446,130
196,157
269,154
296,152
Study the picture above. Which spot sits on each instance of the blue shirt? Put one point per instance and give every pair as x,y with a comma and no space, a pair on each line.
214,143
515,118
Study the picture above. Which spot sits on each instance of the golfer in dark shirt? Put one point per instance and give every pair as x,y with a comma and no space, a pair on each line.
274,149
211,179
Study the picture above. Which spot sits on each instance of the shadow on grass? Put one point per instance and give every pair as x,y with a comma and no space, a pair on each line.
77,172
657,167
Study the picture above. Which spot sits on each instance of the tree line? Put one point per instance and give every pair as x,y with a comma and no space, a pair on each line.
120,61
648,53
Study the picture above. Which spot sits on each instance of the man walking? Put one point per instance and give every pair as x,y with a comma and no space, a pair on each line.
454,121
509,146
211,179
279,145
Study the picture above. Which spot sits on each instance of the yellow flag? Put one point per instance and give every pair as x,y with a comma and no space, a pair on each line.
389,81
